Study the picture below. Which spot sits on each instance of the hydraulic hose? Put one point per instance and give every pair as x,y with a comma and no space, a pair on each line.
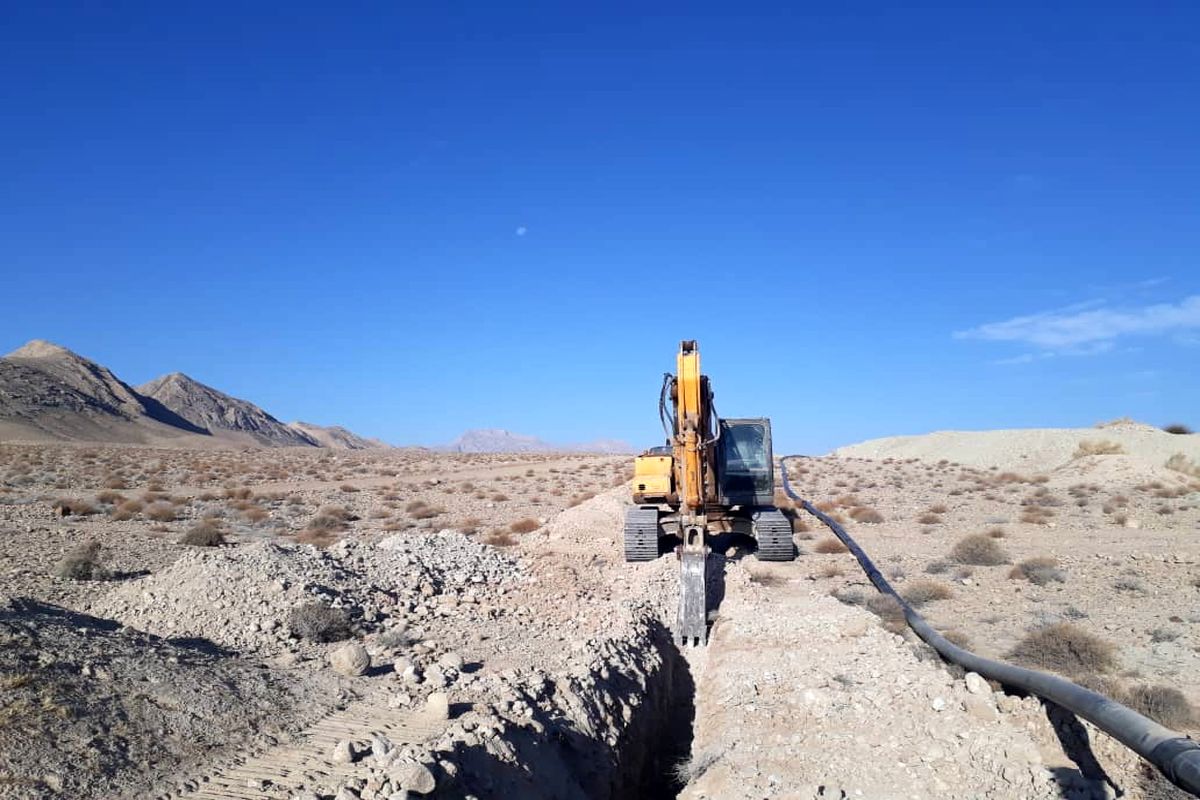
1175,755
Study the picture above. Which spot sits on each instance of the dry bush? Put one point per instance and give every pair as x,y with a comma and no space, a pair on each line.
499,539
1181,463
996,533
829,545
110,498
83,564
255,514
161,512
1176,428
929,518
470,525
766,578
115,482
978,550
958,638
67,506
866,515
580,498
1098,447
526,525
920,592
349,488
830,571
318,622
1039,570
1066,649
888,609
499,497
205,533
938,509
319,539
938,567
127,510
1163,704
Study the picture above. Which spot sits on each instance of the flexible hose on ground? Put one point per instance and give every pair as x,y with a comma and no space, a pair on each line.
1175,755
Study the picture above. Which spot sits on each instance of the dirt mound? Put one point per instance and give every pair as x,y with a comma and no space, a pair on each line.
1033,449
93,710
242,597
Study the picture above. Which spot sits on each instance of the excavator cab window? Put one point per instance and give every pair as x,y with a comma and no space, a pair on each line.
744,453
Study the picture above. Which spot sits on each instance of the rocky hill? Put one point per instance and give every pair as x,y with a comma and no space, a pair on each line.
48,392
221,414
336,437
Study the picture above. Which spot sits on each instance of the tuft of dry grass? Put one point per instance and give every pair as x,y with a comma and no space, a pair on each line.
1098,447
83,564
499,539
1165,705
979,550
68,506
1039,570
888,609
205,533
161,512
526,525
866,515
929,518
1066,649
1181,463
923,591
829,545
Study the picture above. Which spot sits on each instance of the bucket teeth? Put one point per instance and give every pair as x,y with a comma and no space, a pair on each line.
693,619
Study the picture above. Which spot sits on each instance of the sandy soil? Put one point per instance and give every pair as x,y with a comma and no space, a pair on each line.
498,645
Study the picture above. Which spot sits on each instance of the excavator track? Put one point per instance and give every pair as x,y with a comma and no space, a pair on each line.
773,531
641,534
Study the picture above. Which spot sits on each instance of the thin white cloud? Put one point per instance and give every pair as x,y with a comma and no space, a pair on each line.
521,230
1087,329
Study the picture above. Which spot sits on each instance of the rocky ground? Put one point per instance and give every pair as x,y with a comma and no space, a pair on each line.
403,623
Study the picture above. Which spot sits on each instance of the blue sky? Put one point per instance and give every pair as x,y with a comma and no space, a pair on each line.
413,221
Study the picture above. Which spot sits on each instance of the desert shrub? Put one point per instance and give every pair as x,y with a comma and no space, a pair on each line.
73,507
920,592
978,550
1176,428
829,545
929,518
110,498
1130,584
1039,570
938,567
83,564
470,525
830,571
499,497
1163,704
866,515
580,498
499,539
939,508
851,597
161,512
1066,649
888,609
318,622
348,488
255,514
526,525
1181,463
766,578
1098,447
996,533
127,510
689,770
957,637
205,533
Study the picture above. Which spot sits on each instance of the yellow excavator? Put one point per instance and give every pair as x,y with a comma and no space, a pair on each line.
713,476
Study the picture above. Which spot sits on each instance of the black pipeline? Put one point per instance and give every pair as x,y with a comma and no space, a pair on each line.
1175,755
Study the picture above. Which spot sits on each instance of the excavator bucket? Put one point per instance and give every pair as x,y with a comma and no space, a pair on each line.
693,601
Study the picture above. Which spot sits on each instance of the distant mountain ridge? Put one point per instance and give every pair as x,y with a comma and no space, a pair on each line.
498,440
48,392
221,414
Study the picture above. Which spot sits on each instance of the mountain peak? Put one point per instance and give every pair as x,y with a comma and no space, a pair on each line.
40,348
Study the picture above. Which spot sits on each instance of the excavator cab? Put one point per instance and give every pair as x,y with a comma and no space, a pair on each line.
746,475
